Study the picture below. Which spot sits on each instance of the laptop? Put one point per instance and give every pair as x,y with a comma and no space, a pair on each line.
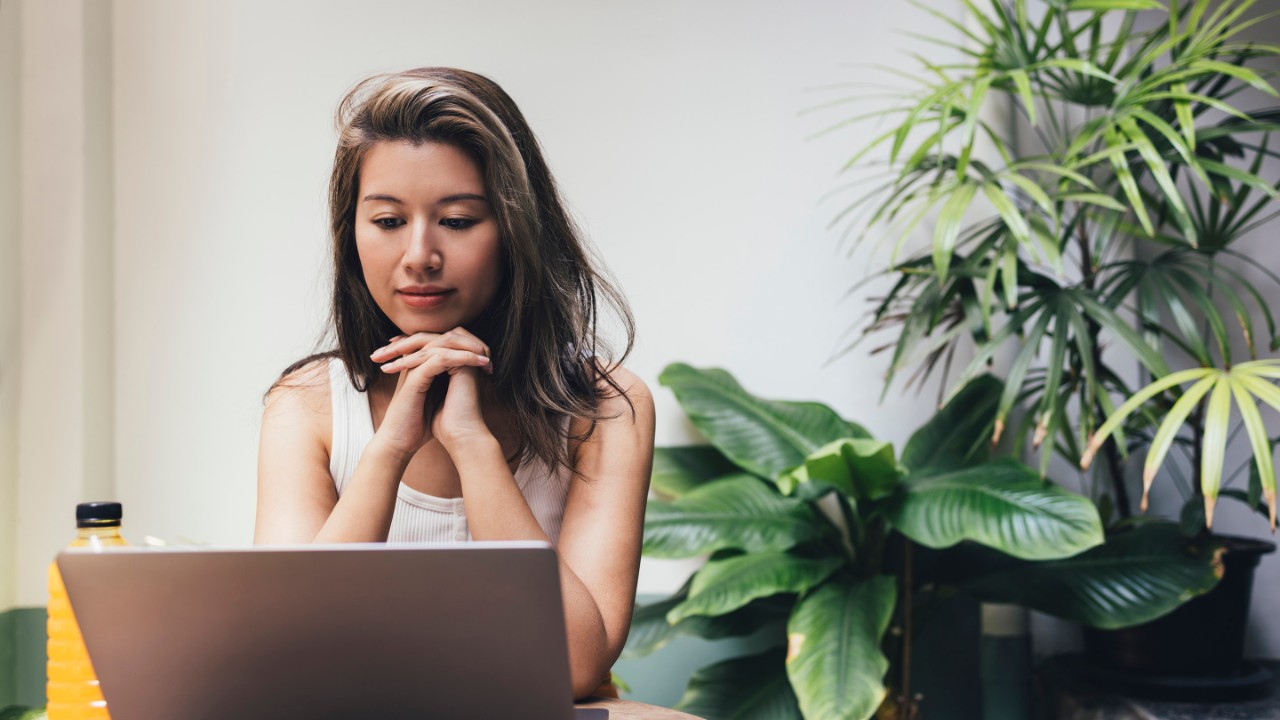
396,632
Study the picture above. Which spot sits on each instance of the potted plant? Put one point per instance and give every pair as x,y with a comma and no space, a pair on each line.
1112,206
811,527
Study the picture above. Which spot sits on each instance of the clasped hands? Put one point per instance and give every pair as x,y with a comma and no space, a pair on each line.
420,359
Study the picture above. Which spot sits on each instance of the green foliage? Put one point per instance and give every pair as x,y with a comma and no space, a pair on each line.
19,712
833,658
1246,383
1136,577
750,687
1002,504
736,511
825,581
763,437
1137,171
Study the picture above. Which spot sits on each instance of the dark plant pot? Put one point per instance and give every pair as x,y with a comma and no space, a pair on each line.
1204,638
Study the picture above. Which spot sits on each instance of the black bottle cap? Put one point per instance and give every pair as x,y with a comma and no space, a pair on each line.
99,514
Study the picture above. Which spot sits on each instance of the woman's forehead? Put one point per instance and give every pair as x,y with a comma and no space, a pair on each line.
406,171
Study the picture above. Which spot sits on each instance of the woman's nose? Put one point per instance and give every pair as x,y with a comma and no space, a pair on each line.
423,252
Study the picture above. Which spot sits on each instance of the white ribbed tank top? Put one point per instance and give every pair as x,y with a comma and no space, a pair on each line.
419,517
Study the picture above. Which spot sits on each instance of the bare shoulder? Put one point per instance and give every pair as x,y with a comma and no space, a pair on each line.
300,399
634,398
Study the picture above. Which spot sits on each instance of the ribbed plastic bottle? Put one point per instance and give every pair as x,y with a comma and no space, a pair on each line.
73,691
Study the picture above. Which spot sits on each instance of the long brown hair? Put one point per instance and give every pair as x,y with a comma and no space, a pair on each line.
548,357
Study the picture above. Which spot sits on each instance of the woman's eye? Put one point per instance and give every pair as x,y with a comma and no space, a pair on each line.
388,223
457,223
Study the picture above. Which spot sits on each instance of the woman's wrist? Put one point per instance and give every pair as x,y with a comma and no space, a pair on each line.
467,444
380,449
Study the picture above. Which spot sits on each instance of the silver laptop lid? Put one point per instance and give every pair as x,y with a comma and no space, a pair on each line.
318,632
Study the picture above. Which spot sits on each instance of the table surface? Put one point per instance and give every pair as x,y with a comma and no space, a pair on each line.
631,710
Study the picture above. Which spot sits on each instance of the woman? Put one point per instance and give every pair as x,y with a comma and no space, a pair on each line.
468,396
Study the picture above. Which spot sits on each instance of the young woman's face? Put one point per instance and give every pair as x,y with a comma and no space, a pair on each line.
426,235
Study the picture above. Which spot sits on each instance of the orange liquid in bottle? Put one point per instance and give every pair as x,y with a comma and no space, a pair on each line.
73,691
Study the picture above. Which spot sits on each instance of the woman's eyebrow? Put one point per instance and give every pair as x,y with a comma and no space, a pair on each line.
461,197
442,201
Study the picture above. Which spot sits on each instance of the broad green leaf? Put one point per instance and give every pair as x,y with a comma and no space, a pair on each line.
833,657
650,630
1137,576
739,511
764,437
1003,505
725,585
1191,521
858,468
677,470
958,435
751,687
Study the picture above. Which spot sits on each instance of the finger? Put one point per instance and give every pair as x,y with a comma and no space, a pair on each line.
467,340
437,360
456,340
402,345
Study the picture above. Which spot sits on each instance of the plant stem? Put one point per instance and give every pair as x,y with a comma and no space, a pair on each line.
1089,276
853,538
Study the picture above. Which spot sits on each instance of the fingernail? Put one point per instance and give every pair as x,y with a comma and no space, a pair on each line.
484,360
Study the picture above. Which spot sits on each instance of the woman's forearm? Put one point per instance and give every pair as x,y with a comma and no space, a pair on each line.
497,510
363,513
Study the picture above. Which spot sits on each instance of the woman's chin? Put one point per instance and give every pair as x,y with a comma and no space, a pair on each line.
412,328
423,323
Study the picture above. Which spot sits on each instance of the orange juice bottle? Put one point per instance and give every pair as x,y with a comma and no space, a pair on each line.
73,687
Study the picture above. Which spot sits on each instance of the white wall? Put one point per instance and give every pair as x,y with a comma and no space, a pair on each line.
10,88
61,270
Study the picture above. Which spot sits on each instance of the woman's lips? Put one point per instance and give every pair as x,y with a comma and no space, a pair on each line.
424,300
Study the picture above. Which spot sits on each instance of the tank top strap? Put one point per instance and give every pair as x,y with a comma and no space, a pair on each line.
352,424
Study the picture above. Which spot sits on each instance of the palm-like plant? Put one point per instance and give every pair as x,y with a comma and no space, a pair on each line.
1114,226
